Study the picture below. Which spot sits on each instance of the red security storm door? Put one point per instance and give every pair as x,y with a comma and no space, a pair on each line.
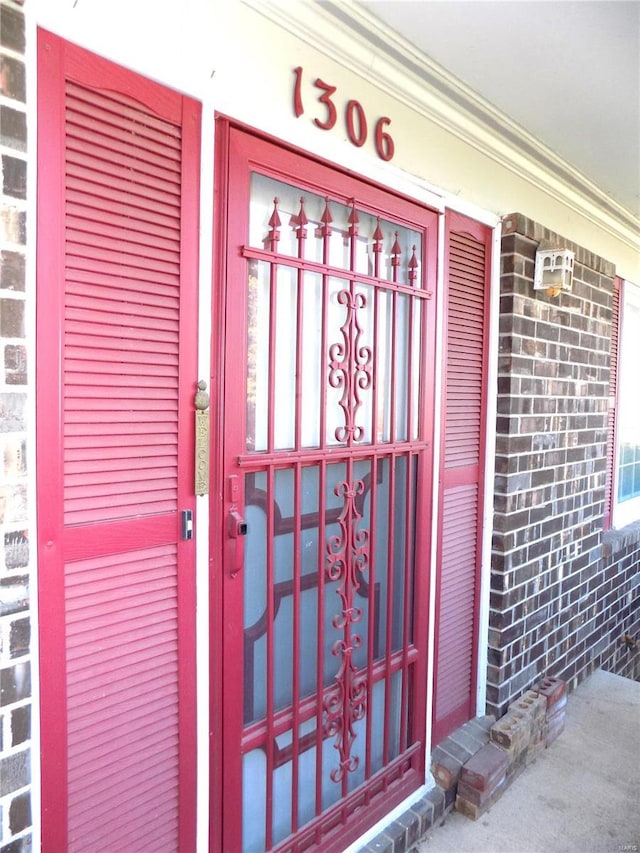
329,313
118,162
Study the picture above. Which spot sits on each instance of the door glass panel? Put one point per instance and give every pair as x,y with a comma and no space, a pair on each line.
313,369
401,255
258,324
335,335
416,348
385,737
284,374
384,352
334,415
401,377
355,239
365,256
349,405
255,576
361,342
274,323
365,363
372,589
322,217
296,575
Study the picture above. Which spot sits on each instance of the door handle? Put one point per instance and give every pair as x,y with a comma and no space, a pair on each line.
201,403
237,531
237,525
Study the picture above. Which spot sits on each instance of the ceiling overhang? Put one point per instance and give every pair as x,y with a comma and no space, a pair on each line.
348,34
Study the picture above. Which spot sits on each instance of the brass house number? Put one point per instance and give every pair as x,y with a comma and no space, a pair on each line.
355,118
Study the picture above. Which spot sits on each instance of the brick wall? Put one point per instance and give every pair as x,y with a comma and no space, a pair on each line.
559,606
619,591
15,558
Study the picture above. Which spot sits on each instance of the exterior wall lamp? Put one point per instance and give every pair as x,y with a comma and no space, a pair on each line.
554,269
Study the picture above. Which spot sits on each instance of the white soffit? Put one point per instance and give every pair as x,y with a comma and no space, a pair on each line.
566,70
348,33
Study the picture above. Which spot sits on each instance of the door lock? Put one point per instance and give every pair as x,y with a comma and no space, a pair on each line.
237,525
237,531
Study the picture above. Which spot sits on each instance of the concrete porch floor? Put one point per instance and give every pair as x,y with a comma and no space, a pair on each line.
581,794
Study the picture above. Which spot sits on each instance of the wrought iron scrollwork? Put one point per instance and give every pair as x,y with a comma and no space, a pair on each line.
347,560
350,366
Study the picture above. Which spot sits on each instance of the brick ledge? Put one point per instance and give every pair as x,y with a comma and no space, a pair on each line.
475,764
403,834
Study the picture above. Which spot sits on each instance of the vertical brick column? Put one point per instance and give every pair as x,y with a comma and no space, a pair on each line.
553,390
15,560
618,649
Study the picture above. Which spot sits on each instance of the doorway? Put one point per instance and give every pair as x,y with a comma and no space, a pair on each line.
328,307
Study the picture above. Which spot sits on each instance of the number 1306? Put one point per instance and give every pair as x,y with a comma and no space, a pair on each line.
355,118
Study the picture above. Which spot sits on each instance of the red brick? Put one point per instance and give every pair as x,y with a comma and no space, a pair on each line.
532,704
14,177
512,732
13,129
468,809
445,769
516,767
487,766
478,798
12,318
20,724
536,745
20,813
12,271
559,707
15,364
12,78
472,811
553,689
553,728
12,28
558,710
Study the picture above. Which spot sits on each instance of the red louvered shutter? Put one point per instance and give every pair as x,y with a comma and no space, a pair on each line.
117,260
467,274
610,484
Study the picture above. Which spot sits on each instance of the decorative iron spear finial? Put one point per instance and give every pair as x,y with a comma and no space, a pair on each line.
413,266
274,225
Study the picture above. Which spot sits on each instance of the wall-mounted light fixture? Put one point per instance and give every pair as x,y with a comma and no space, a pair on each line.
554,269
